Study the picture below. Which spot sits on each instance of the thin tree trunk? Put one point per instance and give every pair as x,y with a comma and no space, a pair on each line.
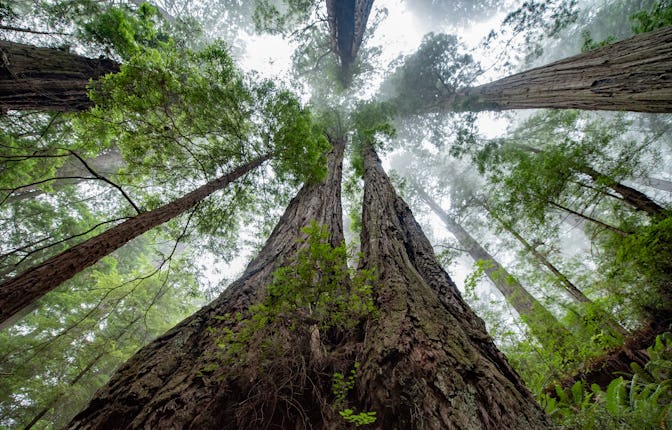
592,220
35,282
427,361
631,196
35,78
541,322
73,172
165,385
573,291
347,23
631,75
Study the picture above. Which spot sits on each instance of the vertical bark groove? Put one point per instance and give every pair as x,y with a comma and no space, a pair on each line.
428,362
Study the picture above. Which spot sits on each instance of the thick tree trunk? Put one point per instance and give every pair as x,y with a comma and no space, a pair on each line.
427,361
34,78
347,24
632,75
541,322
165,385
21,291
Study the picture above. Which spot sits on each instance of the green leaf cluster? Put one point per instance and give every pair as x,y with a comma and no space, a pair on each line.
640,401
341,386
316,288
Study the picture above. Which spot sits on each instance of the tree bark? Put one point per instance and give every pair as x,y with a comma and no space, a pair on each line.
35,78
541,322
20,291
427,361
631,75
347,24
163,386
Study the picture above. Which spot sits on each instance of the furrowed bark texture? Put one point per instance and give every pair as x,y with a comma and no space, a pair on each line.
21,291
427,362
162,386
631,75
347,24
540,321
34,78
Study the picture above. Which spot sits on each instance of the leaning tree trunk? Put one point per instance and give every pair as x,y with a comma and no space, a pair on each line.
34,78
631,75
541,322
171,383
568,285
638,200
427,362
22,290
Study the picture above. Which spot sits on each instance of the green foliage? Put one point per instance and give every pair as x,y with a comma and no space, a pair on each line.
642,401
64,351
433,73
316,288
298,140
341,386
124,30
282,16
372,124
660,15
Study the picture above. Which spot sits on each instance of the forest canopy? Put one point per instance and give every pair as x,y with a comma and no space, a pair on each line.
336,214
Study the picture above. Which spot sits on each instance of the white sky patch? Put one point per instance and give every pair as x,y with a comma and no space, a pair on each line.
399,33
268,55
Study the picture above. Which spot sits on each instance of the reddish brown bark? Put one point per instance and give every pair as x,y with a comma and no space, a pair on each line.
35,78
631,75
20,291
427,360
163,385
347,24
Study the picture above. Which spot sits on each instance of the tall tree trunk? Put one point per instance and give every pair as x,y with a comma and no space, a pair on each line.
34,78
542,323
347,24
427,361
165,385
22,290
629,195
568,285
631,75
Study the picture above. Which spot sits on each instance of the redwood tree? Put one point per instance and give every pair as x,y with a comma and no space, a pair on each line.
177,380
35,78
631,75
21,291
422,360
